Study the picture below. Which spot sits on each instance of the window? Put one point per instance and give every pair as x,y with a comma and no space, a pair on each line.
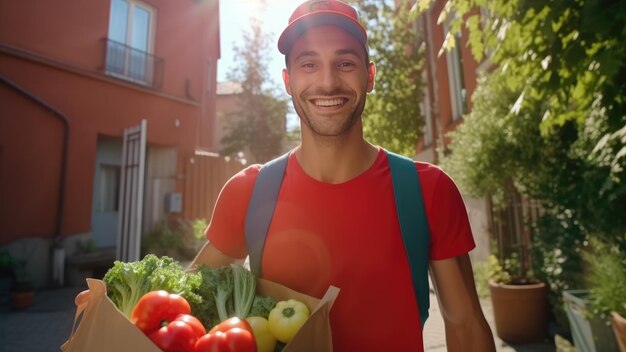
108,188
458,92
130,41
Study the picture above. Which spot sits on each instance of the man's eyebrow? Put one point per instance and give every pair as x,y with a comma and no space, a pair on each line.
346,52
305,54
311,53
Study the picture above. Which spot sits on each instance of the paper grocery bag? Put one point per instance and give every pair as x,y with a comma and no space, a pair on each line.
315,335
100,327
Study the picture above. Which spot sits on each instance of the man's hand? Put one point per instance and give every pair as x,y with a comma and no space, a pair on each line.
466,326
82,298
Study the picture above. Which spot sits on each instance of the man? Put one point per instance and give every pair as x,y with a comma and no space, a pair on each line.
335,222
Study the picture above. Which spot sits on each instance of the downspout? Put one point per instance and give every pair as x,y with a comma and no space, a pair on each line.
59,253
434,85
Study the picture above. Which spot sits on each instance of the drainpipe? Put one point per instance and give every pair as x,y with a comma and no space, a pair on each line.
58,262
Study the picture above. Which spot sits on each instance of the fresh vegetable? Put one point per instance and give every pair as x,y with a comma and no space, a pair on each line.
265,341
127,282
231,335
261,306
156,307
165,319
244,287
287,318
231,289
216,286
179,335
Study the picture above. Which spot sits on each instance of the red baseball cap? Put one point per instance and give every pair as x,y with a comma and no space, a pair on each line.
317,13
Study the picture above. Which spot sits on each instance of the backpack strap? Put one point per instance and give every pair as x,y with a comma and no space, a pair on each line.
409,205
413,224
261,209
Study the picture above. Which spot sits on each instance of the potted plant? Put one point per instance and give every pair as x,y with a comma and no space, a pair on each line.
22,295
520,302
606,296
22,290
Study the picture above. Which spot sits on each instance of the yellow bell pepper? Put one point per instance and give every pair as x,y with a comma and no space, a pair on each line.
265,341
287,318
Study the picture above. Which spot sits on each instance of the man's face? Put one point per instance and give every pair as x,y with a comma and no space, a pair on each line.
328,78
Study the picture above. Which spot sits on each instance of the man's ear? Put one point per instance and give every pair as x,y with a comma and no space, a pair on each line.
286,81
371,77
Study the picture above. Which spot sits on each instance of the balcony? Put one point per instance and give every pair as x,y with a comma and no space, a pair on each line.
130,64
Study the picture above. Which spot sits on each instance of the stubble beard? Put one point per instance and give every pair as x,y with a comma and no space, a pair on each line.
332,131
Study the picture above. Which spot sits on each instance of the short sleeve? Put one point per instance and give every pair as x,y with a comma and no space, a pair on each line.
450,231
226,229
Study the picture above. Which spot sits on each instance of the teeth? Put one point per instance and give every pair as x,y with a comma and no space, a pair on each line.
329,102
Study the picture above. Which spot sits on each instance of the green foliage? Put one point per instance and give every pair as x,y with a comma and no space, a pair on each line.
392,114
481,276
8,265
565,63
497,273
199,226
556,251
177,238
258,128
607,278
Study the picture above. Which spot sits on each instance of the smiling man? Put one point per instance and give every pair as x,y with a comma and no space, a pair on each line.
335,220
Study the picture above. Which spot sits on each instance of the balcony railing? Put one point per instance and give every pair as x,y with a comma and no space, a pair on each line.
128,63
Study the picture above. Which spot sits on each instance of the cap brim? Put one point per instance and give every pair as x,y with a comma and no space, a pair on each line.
304,23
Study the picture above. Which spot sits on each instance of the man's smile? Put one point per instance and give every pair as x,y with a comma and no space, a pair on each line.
335,102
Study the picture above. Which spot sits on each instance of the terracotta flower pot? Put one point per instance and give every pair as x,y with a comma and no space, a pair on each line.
520,312
619,328
22,299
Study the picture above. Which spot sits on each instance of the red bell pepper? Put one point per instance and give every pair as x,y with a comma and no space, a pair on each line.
231,335
165,319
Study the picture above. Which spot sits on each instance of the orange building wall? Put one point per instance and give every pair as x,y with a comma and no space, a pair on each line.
55,51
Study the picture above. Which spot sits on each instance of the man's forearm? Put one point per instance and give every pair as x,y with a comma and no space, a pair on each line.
470,337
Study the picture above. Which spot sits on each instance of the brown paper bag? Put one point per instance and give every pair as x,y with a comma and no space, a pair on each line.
99,326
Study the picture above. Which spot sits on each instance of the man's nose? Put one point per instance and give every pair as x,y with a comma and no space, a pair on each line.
328,79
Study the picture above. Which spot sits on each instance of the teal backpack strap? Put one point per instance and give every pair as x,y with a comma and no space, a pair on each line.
261,209
413,224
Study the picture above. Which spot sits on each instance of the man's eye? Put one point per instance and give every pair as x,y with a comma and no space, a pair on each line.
346,64
308,65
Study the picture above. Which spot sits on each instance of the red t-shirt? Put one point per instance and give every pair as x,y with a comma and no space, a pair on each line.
348,235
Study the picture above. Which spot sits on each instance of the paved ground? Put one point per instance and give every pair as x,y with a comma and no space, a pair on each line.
435,339
41,328
47,324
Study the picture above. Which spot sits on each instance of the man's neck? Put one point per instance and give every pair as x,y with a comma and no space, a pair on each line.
335,162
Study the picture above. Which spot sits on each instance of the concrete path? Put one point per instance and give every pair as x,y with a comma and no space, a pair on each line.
435,338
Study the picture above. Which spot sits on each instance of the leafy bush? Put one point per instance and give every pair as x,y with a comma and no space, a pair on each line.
607,278
179,238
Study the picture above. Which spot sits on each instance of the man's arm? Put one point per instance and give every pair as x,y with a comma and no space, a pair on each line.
213,258
466,326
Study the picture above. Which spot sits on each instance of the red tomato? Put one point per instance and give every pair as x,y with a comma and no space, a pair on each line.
231,335
176,336
192,321
156,308
233,340
230,323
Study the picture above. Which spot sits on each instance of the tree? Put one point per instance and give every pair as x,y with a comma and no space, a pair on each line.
560,70
258,127
550,119
392,114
